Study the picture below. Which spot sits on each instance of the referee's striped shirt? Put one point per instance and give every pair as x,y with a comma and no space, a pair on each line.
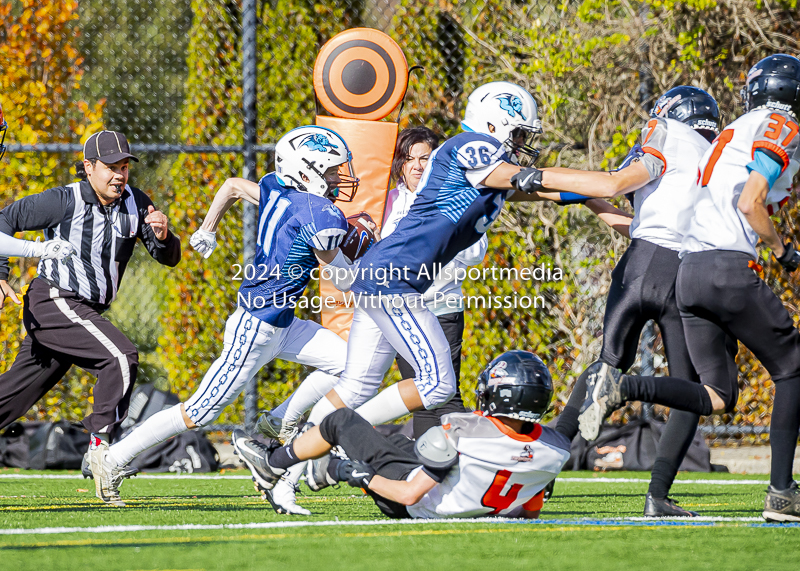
104,237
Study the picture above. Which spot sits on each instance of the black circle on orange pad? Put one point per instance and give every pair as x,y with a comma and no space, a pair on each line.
360,74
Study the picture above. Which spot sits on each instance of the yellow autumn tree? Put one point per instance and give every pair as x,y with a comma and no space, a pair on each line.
40,69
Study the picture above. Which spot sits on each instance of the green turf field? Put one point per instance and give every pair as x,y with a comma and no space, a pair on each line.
191,523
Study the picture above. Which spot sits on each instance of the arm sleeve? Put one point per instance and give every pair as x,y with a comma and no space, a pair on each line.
767,164
167,252
36,212
777,138
10,246
654,137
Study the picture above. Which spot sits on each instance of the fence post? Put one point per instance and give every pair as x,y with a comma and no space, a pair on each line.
250,212
645,100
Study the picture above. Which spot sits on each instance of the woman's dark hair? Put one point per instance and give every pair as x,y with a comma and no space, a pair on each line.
407,139
80,170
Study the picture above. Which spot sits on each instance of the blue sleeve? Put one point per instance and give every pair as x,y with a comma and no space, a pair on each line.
766,166
571,198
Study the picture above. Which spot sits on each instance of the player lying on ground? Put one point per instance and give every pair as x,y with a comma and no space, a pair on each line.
495,462
743,178
298,226
12,247
683,122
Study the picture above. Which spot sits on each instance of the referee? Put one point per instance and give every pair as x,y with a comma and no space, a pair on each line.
101,216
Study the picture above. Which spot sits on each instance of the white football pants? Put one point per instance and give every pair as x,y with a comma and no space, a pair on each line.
386,325
248,345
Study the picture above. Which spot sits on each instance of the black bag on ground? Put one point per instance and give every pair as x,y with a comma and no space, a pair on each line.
633,446
58,446
14,447
186,453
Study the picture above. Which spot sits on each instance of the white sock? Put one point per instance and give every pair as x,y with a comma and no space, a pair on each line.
314,387
386,406
322,409
162,425
294,473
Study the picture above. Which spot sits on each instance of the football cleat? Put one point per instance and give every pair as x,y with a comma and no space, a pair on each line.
86,470
603,396
782,505
107,477
255,456
654,507
276,428
317,477
283,498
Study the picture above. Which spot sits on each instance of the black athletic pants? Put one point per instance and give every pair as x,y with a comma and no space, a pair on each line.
453,327
723,301
643,287
392,457
64,330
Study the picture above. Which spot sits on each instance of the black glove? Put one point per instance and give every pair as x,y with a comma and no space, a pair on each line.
528,180
790,259
357,474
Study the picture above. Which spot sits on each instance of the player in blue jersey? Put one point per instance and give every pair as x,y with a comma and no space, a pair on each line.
462,191
297,223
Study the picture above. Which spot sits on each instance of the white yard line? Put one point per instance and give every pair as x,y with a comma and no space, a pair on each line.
358,523
644,481
600,480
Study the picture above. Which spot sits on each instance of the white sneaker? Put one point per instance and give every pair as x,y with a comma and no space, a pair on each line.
107,476
283,498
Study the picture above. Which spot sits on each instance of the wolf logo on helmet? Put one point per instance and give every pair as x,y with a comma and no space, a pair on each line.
511,104
318,142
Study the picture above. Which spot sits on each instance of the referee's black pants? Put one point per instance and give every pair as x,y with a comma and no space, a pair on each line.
64,330
392,456
453,327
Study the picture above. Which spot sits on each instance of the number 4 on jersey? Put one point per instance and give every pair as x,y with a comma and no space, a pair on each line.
494,497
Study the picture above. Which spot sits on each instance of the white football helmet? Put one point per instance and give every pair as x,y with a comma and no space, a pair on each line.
508,113
304,154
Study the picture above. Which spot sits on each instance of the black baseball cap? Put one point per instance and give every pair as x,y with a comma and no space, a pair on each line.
108,147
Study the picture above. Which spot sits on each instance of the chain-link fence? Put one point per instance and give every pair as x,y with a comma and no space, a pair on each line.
203,88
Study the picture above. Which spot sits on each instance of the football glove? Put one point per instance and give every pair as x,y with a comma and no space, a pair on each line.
790,258
204,242
528,180
356,473
58,250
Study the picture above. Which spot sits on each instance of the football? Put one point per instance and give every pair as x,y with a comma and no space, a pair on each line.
359,237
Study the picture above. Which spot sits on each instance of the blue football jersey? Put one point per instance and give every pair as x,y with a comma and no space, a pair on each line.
451,212
291,225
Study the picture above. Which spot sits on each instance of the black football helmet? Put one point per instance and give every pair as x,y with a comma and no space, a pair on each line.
692,106
774,83
516,384
3,128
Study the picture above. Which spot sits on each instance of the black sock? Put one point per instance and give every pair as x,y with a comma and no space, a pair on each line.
283,457
672,448
667,391
783,431
333,467
568,419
